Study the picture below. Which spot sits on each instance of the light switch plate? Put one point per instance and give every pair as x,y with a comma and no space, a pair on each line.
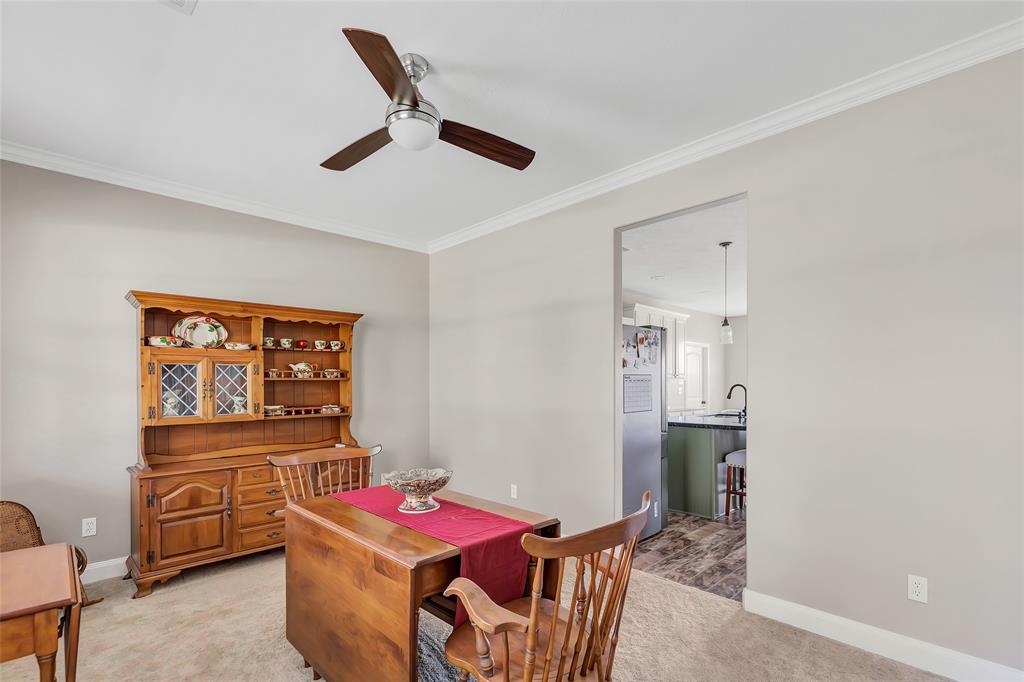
88,527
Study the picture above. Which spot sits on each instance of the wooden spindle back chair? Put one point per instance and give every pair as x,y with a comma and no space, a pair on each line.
540,638
313,473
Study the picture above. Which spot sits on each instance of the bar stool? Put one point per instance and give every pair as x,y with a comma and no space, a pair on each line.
735,479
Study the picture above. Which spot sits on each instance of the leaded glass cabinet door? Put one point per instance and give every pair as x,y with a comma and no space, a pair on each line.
233,394
180,389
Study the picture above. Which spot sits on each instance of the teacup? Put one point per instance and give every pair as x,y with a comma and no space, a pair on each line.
286,343
319,344
337,345
268,341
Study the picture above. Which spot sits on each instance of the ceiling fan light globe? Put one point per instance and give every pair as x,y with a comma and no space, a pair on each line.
413,129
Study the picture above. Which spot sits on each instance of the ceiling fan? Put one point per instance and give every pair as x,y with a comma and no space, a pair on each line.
411,121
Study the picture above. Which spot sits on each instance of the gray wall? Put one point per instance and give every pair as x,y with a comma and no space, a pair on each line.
885,299
71,248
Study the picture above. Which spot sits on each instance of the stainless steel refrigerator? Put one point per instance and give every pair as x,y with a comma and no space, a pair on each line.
644,423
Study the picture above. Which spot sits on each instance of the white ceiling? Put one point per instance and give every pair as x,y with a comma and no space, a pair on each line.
678,260
238,104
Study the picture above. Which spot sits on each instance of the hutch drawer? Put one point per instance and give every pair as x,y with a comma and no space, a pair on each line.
260,493
253,475
259,514
261,537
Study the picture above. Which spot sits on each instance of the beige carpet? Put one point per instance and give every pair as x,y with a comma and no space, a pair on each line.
226,622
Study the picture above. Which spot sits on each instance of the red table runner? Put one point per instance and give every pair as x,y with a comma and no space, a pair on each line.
488,543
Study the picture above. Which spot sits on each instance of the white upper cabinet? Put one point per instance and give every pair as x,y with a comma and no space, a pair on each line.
641,316
675,333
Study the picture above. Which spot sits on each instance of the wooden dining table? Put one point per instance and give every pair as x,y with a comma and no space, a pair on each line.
355,583
36,585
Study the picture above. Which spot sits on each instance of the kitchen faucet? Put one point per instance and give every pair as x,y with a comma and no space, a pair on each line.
728,396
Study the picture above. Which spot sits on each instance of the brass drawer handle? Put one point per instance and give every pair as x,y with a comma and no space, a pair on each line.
270,512
273,534
273,491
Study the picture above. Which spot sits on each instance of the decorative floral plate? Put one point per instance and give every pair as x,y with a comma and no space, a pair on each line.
200,331
234,345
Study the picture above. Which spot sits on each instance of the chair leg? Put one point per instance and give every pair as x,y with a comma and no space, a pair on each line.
728,489
89,602
85,597
743,487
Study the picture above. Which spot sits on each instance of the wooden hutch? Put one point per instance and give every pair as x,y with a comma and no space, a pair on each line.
202,490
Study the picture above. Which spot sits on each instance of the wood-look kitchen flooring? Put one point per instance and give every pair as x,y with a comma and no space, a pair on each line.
708,555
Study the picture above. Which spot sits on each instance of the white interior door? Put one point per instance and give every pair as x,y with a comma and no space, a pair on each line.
696,364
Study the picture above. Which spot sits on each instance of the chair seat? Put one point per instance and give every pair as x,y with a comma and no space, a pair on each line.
461,645
737,458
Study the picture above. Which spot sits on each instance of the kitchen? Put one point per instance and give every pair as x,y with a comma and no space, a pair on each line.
684,360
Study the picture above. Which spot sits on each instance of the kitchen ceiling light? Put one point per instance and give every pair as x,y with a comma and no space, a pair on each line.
725,334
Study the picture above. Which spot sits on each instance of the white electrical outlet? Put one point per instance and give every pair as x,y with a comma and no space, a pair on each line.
917,588
88,527
656,509
514,491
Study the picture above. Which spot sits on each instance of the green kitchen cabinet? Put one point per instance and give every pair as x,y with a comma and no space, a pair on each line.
695,468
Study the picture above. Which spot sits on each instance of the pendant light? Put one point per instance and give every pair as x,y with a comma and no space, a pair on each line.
725,334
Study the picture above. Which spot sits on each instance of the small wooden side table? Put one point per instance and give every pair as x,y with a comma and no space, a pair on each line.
35,585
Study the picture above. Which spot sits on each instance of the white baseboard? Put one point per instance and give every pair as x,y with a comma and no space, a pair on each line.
101,570
920,654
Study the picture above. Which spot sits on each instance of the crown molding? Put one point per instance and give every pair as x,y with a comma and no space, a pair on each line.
995,42
31,156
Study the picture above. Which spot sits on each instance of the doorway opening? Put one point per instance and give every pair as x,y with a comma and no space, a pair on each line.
684,407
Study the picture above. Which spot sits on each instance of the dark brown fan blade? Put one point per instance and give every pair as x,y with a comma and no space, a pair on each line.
357,151
380,58
486,145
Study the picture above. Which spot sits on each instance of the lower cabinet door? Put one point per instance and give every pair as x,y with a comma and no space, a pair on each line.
190,518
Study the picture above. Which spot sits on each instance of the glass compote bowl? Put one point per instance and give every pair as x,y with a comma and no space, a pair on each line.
418,485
